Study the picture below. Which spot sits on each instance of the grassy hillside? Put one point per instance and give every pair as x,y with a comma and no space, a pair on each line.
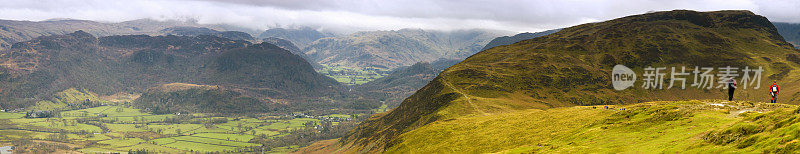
652,127
572,68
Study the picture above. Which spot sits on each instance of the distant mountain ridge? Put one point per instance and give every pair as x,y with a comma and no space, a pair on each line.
506,40
12,31
790,32
195,31
392,49
301,37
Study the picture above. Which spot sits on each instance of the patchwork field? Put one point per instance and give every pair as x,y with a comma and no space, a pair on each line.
352,76
117,128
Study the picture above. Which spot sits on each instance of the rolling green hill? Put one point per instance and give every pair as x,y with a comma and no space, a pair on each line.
572,68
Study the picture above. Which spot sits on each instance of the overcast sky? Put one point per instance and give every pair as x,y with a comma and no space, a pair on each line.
357,15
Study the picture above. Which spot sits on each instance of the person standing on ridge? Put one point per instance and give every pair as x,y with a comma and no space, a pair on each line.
773,91
731,88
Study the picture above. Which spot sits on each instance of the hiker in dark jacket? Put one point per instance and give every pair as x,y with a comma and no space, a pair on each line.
731,88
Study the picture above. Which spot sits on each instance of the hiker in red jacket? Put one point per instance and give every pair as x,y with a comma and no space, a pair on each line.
773,91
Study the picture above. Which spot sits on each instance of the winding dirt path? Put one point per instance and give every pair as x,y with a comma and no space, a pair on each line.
463,94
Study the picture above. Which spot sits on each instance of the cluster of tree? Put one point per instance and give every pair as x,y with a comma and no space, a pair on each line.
58,137
11,104
5,123
362,104
28,146
352,113
140,151
203,101
40,114
82,104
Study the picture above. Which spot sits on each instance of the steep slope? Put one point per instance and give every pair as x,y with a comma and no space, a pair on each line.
36,66
134,63
285,44
392,49
790,32
268,69
301,37
288,45
506,40
442,63
573,66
